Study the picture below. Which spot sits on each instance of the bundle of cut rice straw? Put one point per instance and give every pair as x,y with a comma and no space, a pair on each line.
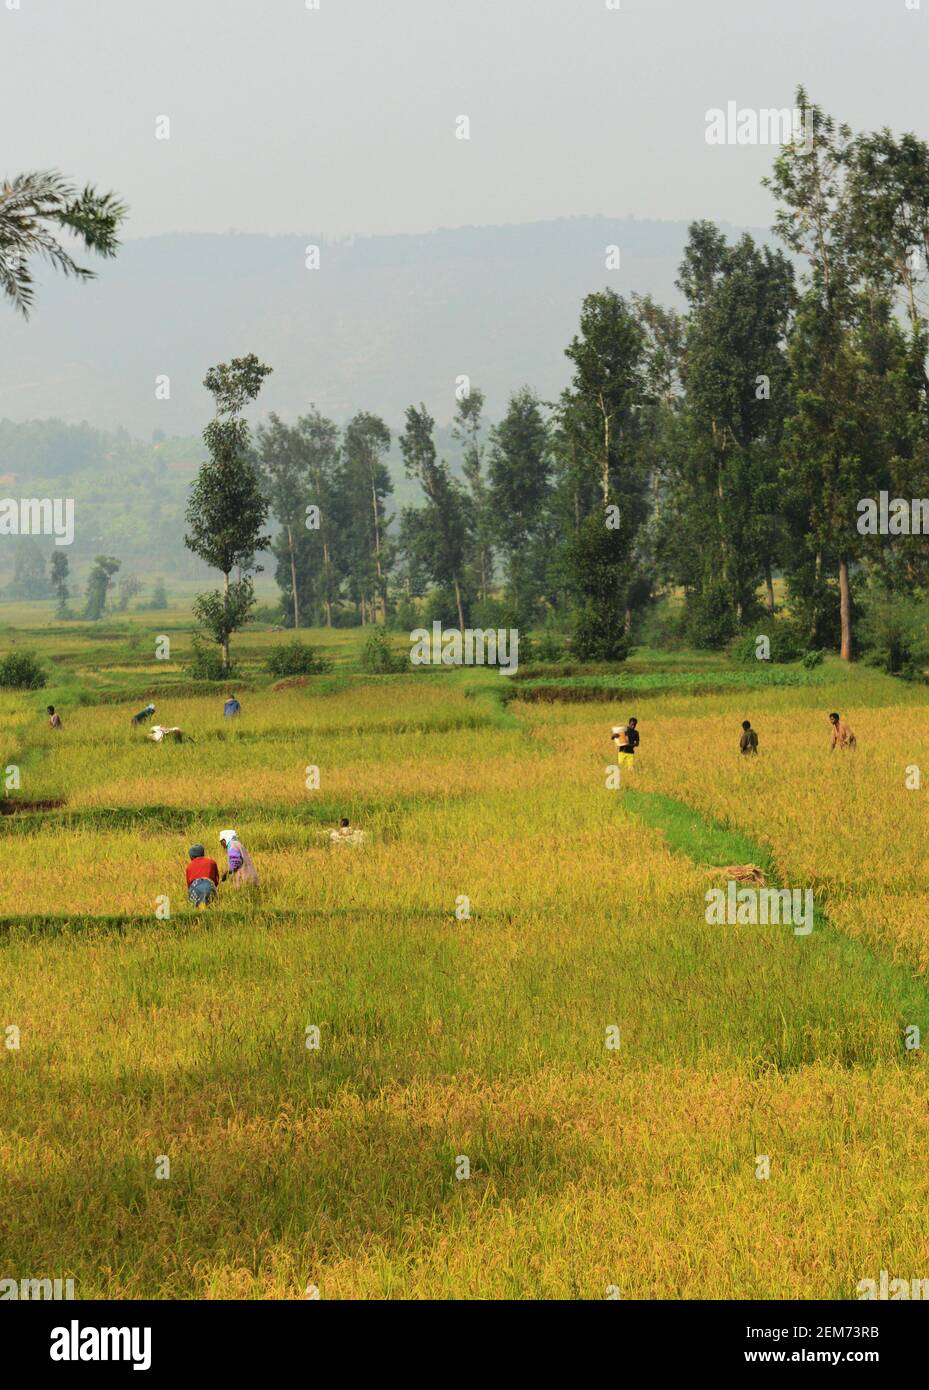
739,873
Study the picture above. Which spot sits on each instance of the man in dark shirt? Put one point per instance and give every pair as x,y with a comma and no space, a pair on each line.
632,734
748,743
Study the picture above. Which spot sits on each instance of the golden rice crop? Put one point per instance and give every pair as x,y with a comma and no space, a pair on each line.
512,969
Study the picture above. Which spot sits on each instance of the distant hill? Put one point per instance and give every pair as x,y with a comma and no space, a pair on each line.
385,321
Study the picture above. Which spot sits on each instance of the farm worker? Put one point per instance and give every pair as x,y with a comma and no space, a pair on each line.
231,708
54,719
620,737
345,835
143,714
842,736
202,877
748,743
632,733
241,869
158,733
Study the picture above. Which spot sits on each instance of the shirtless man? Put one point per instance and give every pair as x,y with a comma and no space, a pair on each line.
842,736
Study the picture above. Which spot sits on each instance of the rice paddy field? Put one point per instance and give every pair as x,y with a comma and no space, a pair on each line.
540,1072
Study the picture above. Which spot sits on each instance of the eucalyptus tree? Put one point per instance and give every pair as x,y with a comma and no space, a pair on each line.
279,458
227,508
736,378
467,430
436,536
834,456
520,489
365,483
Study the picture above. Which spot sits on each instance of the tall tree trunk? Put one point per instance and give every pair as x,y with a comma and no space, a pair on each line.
381,594
328,583
724,566
293,577
845,611
769,586
817,582
226,614
460,608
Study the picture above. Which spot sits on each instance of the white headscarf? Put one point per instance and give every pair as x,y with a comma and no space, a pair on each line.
226,837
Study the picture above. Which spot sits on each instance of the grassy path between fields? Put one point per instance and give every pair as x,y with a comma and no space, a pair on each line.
712,844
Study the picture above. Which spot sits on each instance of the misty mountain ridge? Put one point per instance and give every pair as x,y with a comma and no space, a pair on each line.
384,321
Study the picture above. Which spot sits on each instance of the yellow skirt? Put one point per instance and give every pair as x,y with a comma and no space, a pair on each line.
626,759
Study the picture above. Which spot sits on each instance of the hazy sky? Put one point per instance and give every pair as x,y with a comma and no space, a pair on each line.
342,118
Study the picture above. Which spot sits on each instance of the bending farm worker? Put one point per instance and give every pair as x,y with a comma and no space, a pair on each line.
842,736
346,834
202,877
241,869
159,732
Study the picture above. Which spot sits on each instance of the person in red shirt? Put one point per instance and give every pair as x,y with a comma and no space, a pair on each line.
202,877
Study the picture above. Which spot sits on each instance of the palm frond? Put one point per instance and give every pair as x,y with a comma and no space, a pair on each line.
32,207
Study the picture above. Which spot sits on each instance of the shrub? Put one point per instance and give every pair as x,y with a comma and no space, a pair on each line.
528,649
894,633
661,626
378,656
296,659
492,612
270,614
21,671
549,647
345,617
710,618
813,658
406,616
159,599
599,636
439,606
786,642
206,662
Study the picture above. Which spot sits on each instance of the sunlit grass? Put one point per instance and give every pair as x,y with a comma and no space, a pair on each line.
463,967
